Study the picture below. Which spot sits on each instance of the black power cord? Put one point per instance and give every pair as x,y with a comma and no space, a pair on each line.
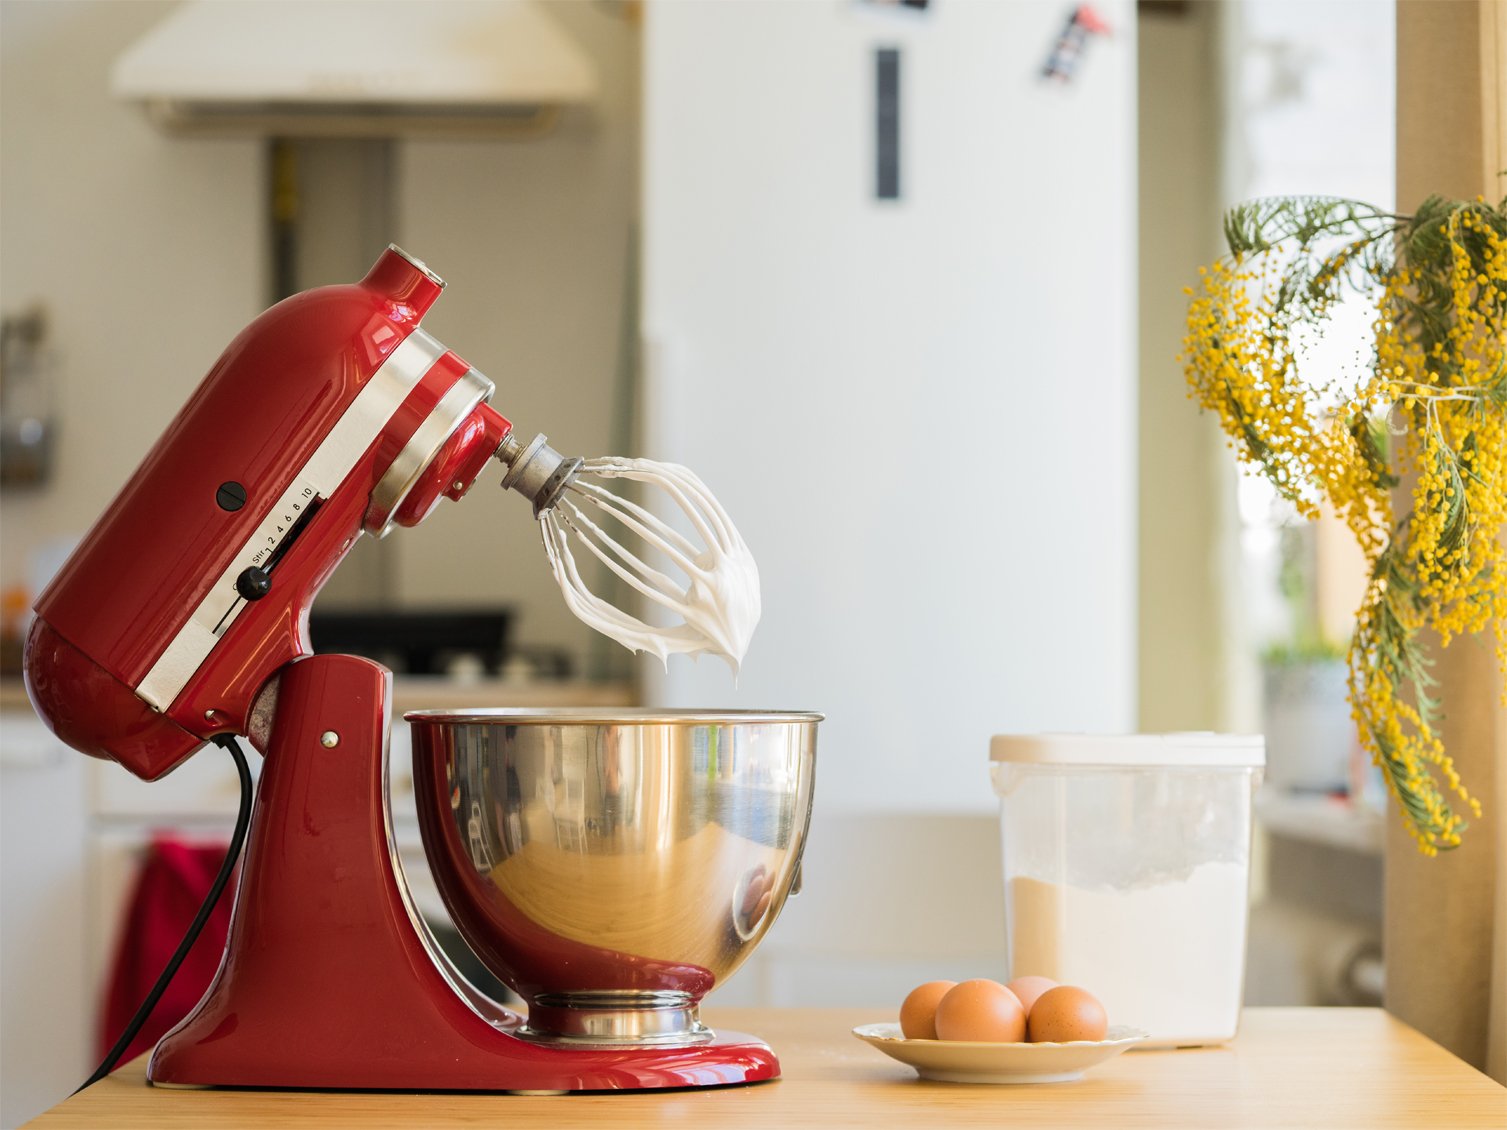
237,838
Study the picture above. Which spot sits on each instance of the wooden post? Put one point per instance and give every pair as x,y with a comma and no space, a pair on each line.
1446,918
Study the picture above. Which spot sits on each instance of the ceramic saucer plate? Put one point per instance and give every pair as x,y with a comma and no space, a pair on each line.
958,1061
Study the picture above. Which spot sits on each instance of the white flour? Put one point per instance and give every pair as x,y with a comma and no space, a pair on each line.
717,603
1169,959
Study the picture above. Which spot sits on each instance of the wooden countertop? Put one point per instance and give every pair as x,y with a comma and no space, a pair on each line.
1297,1067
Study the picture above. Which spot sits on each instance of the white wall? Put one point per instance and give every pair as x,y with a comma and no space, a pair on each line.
146,253
920,413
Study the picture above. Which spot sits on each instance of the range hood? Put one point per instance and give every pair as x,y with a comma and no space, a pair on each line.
372,68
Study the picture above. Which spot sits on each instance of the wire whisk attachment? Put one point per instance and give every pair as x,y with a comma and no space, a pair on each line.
695,569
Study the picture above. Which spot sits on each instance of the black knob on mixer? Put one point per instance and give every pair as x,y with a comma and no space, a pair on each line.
254,583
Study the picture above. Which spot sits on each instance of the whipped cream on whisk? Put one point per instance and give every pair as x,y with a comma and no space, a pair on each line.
708,582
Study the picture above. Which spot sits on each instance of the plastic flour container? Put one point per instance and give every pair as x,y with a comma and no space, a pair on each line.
1127,872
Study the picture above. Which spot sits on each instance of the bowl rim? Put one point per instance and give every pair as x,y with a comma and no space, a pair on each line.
613,716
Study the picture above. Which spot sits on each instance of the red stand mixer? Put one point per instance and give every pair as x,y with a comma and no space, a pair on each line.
183,615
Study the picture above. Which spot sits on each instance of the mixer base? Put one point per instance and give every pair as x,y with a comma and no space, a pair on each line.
328,980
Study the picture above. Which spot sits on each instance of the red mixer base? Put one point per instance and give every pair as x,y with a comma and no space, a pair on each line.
326,982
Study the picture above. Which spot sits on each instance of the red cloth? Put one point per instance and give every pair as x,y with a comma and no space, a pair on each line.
172,883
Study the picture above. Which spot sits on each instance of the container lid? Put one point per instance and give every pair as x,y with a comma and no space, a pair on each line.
1220,751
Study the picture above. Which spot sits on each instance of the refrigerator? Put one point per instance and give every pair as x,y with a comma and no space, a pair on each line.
889,317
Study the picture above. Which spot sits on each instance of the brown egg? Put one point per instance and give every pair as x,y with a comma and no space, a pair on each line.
1067,1013
981,1010
1028,989
918,1014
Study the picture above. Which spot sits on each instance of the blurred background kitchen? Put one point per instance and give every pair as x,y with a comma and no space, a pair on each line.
901,281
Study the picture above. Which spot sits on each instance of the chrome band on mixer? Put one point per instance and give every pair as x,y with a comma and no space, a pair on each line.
463,396
615,1019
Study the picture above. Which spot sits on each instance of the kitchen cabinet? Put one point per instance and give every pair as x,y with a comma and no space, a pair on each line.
1289,1067
1316,931
45,1006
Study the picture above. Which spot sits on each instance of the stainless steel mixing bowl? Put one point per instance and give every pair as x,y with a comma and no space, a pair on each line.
612,867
